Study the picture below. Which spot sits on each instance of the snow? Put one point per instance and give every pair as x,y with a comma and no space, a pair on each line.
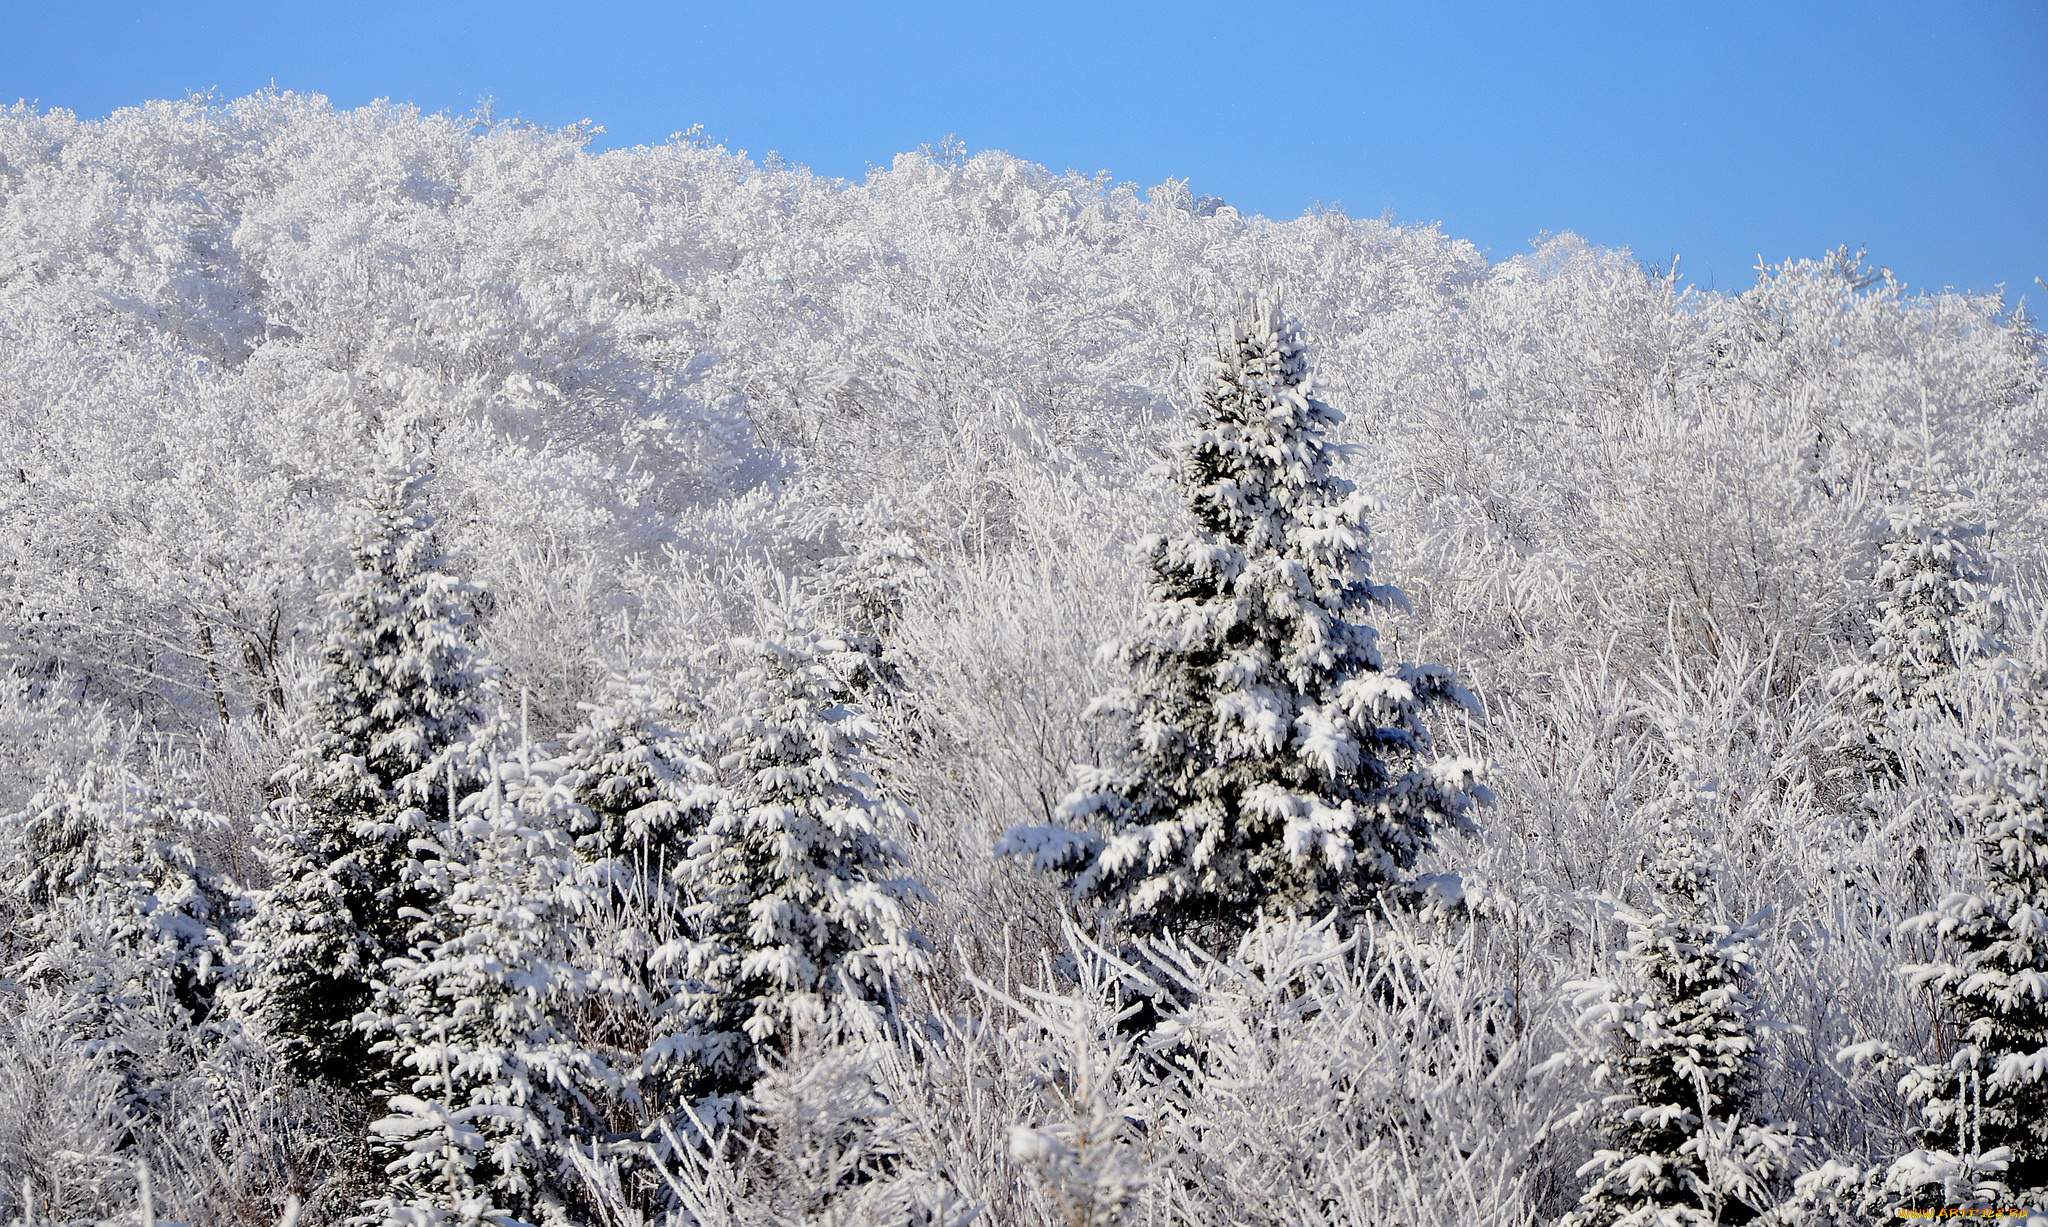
577,675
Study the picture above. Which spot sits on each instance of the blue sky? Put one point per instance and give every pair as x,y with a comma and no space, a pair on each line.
1720,130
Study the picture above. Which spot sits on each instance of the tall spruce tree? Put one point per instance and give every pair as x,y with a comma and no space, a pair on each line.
1992,1092
801,901
1276,763
398,688
1676,1040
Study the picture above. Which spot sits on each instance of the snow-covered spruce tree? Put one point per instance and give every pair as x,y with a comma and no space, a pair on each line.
800,908
396,687
1937,605
475,1023
1277,763
1991,1094
106,837
642,797
112,961
122,923
1676,1040
866,589
638,780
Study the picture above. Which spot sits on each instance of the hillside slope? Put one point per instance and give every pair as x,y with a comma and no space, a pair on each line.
668,396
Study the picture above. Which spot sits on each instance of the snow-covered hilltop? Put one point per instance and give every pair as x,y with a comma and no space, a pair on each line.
520,662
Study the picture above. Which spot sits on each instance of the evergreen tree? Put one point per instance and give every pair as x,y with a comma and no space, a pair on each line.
119,927
642,799
398,687
1278,763
866,591
475,1021
1936,607
638,782
1992,1093
1678,1044
104,839
799,909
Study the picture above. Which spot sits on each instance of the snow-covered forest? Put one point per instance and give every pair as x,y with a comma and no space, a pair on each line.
646,687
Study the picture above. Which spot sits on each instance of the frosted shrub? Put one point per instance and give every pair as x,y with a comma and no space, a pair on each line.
1085,1143
820,1145
61,1126
241,1139
1313,1079
1288,1091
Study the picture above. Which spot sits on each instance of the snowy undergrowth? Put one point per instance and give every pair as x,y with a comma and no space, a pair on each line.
1285,1090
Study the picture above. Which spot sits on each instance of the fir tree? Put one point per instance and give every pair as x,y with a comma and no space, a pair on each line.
105,839
1278,763
638,782
866,589
1936,607
642,799
800,909
1991,1095
474,1022
1678,1044
397,688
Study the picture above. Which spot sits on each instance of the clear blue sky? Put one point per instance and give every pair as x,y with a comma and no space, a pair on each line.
1718,129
